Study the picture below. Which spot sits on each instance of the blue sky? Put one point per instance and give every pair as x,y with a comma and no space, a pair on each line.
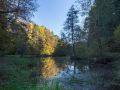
52,14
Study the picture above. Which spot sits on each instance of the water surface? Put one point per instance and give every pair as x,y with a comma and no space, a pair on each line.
76,74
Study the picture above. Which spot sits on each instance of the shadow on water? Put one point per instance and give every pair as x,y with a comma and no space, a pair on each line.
76,75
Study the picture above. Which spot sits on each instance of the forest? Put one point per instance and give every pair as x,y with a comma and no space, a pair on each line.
84,57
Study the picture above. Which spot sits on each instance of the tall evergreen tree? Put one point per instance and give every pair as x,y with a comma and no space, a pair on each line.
102,20
70,26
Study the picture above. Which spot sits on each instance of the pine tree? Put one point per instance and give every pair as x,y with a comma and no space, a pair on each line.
70,27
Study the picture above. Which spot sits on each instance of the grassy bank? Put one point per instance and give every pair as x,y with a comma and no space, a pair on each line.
20,73
17,73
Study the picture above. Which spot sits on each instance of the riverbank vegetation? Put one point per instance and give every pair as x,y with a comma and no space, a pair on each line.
99,38
21,41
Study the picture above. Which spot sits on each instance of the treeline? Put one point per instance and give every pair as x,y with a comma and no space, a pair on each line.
100,36
28,38
18,35
103,24
10,11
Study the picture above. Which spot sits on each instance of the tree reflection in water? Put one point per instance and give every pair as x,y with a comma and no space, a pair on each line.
48,67
79,76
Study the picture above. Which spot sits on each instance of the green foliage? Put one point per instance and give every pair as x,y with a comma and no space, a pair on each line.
116,66
12,33
16,74
103,18
52,85
4,39
117,34
81,50
62,48
22,38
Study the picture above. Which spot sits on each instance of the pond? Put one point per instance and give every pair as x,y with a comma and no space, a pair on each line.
76,74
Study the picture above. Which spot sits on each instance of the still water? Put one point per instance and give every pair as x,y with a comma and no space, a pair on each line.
76,75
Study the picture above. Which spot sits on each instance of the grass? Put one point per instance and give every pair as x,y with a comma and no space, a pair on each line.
16,73
76,80
90,82
20,73
52,85
116,70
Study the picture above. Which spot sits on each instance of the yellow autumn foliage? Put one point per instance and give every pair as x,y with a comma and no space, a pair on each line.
30,26
39,36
